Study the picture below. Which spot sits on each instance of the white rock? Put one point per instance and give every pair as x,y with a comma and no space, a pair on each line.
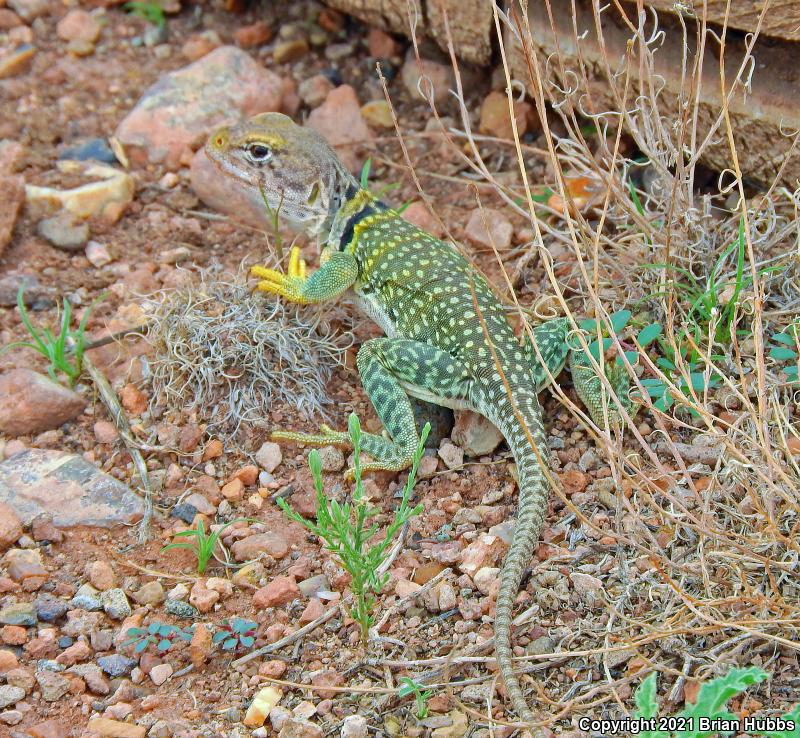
269,456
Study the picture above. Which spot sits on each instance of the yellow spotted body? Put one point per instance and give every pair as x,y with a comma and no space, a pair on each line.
447,337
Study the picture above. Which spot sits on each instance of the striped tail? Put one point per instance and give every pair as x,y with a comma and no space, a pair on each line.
521,424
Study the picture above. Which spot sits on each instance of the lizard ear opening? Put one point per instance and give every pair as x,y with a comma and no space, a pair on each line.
314,194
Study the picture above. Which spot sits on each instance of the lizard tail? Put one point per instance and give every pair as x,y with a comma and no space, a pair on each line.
522,424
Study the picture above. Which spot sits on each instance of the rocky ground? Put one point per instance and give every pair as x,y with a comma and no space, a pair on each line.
104,190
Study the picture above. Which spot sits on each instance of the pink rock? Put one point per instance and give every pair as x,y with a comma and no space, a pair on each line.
314,90
280,591
100,575
23,563
200,44
78,25
381,44
8,661
202,597
339,120
54,728
475,434
78,651
418,214
486,550
233,490
253,35
223,194
418,82
105,432
32,403
272,543
179,110
9,19
159,674
10,526
327,678
489,228
12,195
314,609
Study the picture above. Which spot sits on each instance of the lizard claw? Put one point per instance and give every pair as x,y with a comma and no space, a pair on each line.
290,285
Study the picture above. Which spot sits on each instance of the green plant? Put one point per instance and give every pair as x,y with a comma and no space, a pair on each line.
151,11
56,348
781,350
203,544
364,181
346,531
235,633
159,636
709,707
407,687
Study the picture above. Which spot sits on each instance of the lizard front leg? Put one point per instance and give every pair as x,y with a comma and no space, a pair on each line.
390,369
334,277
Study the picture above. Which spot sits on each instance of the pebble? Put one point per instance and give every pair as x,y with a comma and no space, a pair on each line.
22,613
269,456
200,44
354,726
298,728
159,674
439,79
31,403
185,104
202,597
12,197
92,674
339,120
451,455
496,121
78,25
13,635
255,34
200,504
489,228
116,665
285,52
200,646
378,114
50,729
473,433
266,698
12,717
10,695
74,654
589,461
585,583
181,609
16,60
332,458
93,149
30,10
87,598
115,728
151,593
105,432
49,608
280,591
100,575
25,564
485,550
53,686
381,45
8,661
115,604
10,526
271,543
314,585
313,90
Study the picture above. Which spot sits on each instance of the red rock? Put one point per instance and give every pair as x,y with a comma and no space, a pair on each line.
327,678
77,652
32,403
183,106
381,45
78,25
10,526
339,120
439,75
100,575
489,228
274,669
256,34
105,432
233,490
280,591
9,19
54,728
418,214
23,563
331,20
43,529
475,434
213,450
116,729
41,648
189,438
314,90
200,44
486,550
202,597
14,635
574,481
247,474
272,543
133,399
314,609
200,647
495,118
8,661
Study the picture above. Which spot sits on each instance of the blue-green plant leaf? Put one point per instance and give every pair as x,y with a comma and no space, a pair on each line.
649,333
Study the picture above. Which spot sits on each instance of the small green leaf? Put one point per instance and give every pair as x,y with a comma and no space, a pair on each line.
247,641
164,644
645,697
619,320
220,635
229,644
783,338
779,353
140,646
649,333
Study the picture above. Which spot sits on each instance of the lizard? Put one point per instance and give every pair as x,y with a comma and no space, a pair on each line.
447,338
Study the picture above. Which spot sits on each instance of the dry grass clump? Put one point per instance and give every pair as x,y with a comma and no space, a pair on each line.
694,533
227,354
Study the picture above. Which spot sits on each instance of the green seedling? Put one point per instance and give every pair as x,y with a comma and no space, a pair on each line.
346,530
63,351
364,181
204,543
160,637
152,12
408,687
783,348
711,701
235,634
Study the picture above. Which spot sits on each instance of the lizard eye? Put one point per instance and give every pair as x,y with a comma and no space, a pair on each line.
258,153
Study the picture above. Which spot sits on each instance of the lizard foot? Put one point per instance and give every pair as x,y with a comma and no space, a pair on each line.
326,437
289,285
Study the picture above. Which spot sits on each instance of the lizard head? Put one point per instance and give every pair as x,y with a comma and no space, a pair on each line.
290,168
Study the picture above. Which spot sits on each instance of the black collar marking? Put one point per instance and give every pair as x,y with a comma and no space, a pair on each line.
349,227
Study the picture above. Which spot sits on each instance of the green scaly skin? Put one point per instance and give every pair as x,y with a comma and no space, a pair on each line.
447,338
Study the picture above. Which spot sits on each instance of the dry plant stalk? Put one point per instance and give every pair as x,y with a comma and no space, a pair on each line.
699,554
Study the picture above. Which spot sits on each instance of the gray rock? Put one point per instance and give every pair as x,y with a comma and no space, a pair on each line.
10,695
23,613
49,665
87,598
34,296
71,489
589,460
96,681
95,149
116,665
53,686
181,609
64,231
49,608
115,603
